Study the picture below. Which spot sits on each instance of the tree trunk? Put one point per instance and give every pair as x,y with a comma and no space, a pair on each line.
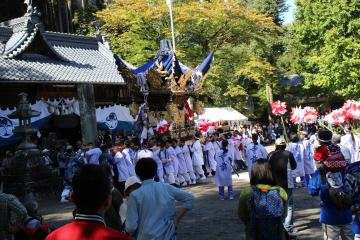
270,99
60,17
87,112
69,9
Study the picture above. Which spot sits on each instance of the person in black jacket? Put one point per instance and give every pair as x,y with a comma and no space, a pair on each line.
281,163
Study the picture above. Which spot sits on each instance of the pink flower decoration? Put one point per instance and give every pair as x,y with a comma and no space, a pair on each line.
310,115
331,119
352,109
339,116
297,115
278,108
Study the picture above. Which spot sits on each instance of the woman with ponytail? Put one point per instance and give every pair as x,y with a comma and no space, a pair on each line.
223,176
351,142
254,151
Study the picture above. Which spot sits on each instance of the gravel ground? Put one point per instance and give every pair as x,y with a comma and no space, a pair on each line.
211,218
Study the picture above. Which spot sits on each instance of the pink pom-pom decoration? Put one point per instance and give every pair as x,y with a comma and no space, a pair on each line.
278,108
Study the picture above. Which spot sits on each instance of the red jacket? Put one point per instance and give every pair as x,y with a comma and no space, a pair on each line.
86,230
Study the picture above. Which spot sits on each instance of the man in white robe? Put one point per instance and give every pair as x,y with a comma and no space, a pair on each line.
189,163
198,158
169,175
156,152
182,172
350,141
179,179
210,152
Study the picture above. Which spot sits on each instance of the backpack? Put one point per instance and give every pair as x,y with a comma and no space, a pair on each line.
267,208
352,178
339,195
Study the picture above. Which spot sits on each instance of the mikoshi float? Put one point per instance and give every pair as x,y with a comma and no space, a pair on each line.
162,87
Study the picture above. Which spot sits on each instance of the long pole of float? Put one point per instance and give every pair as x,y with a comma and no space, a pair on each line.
169,3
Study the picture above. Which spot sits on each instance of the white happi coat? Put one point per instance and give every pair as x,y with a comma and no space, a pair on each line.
166,162
216,146
309,163
160,169
209,148
253,153
93,155
196,149
297,149
186,152
347,141
124,166
238,154
174,160
129,154
231,148
181,159
223,176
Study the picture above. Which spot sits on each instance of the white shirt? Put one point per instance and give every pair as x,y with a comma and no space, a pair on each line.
198,157
93,155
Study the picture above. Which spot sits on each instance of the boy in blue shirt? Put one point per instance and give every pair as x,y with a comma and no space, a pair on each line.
335,212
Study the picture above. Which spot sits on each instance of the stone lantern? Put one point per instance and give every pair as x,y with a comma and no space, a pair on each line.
24,113
22,176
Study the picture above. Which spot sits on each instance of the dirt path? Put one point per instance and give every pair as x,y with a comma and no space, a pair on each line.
212,218
215,219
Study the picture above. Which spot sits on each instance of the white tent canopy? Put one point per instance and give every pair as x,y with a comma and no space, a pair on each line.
222,114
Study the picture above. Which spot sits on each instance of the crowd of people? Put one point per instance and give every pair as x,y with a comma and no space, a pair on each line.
118,182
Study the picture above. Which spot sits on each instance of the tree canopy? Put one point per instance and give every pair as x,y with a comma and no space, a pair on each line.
238,34
326,45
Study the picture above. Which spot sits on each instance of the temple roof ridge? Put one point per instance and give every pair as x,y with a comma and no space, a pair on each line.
24,32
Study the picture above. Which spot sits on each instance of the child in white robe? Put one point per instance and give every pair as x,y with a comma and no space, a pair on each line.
223,176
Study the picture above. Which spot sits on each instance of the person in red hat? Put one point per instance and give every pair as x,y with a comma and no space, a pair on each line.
328,182
328,154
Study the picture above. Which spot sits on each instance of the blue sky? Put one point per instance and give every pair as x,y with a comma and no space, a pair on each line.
289,15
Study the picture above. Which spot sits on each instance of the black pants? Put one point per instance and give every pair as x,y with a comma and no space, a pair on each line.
120,186
240,164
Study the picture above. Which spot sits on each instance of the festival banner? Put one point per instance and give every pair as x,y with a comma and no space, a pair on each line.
116,118
7,125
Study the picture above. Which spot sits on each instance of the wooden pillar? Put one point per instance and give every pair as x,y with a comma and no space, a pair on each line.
87,112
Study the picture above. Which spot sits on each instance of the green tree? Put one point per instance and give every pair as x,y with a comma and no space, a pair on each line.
236,33
327,41
272,8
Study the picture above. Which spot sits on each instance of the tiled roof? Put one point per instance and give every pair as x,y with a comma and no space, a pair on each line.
30,54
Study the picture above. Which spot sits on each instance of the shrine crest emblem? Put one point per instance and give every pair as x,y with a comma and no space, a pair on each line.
6,127
111,121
